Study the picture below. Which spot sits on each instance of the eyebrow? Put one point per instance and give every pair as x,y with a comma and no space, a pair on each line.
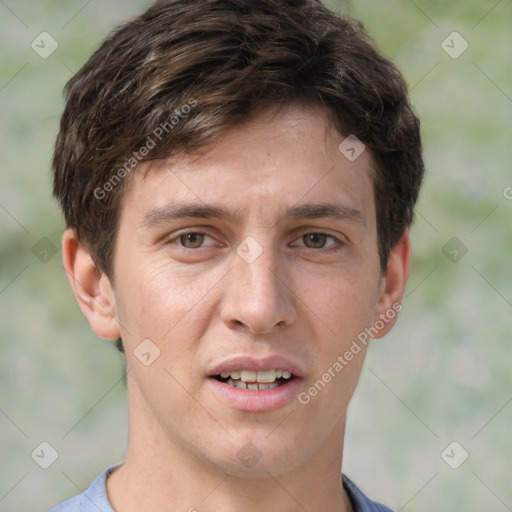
173,211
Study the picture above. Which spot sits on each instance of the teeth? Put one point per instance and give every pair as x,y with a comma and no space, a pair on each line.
248,376
254,386
268,376
264,377
234,375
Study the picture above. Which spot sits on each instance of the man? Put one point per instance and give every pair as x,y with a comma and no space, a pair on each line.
237,180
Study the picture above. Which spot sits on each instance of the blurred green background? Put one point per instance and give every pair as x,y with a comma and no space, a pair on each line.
442,375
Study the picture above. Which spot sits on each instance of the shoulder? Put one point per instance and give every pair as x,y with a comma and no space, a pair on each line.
360,501
94,498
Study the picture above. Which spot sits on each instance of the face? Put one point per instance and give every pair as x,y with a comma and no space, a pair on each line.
259,255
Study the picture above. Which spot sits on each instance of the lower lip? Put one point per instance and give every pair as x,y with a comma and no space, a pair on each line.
256,401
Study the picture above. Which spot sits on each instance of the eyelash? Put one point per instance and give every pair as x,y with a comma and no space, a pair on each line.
337,242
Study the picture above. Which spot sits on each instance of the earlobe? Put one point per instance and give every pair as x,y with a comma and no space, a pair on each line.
393,284
91,287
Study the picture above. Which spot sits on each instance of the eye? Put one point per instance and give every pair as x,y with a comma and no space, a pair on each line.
317,240
189,239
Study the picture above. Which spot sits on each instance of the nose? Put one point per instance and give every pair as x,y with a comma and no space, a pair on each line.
258,295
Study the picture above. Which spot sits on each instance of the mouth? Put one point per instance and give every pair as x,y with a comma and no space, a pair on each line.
255,384
255,380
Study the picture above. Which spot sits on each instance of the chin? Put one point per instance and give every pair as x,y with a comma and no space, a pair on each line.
255,456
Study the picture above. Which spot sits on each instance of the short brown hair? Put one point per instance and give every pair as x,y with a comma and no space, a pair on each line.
195,67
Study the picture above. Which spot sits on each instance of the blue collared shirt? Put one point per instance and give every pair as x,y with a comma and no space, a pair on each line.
95,499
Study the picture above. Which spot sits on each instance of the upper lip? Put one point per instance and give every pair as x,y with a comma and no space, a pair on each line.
257,364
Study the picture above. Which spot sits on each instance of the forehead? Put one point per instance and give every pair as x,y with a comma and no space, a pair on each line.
276,159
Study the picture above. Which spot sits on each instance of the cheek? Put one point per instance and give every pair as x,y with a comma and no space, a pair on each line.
346,303
341,311
345,311
165,304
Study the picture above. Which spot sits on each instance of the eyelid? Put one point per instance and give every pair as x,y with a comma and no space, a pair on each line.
175,236
337,241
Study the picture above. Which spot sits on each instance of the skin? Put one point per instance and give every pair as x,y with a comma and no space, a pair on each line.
199,302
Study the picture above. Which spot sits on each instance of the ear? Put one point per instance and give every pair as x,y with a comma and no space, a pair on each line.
91,287
393,284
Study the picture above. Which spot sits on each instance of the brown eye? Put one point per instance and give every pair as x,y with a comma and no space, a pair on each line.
315,240
192,240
